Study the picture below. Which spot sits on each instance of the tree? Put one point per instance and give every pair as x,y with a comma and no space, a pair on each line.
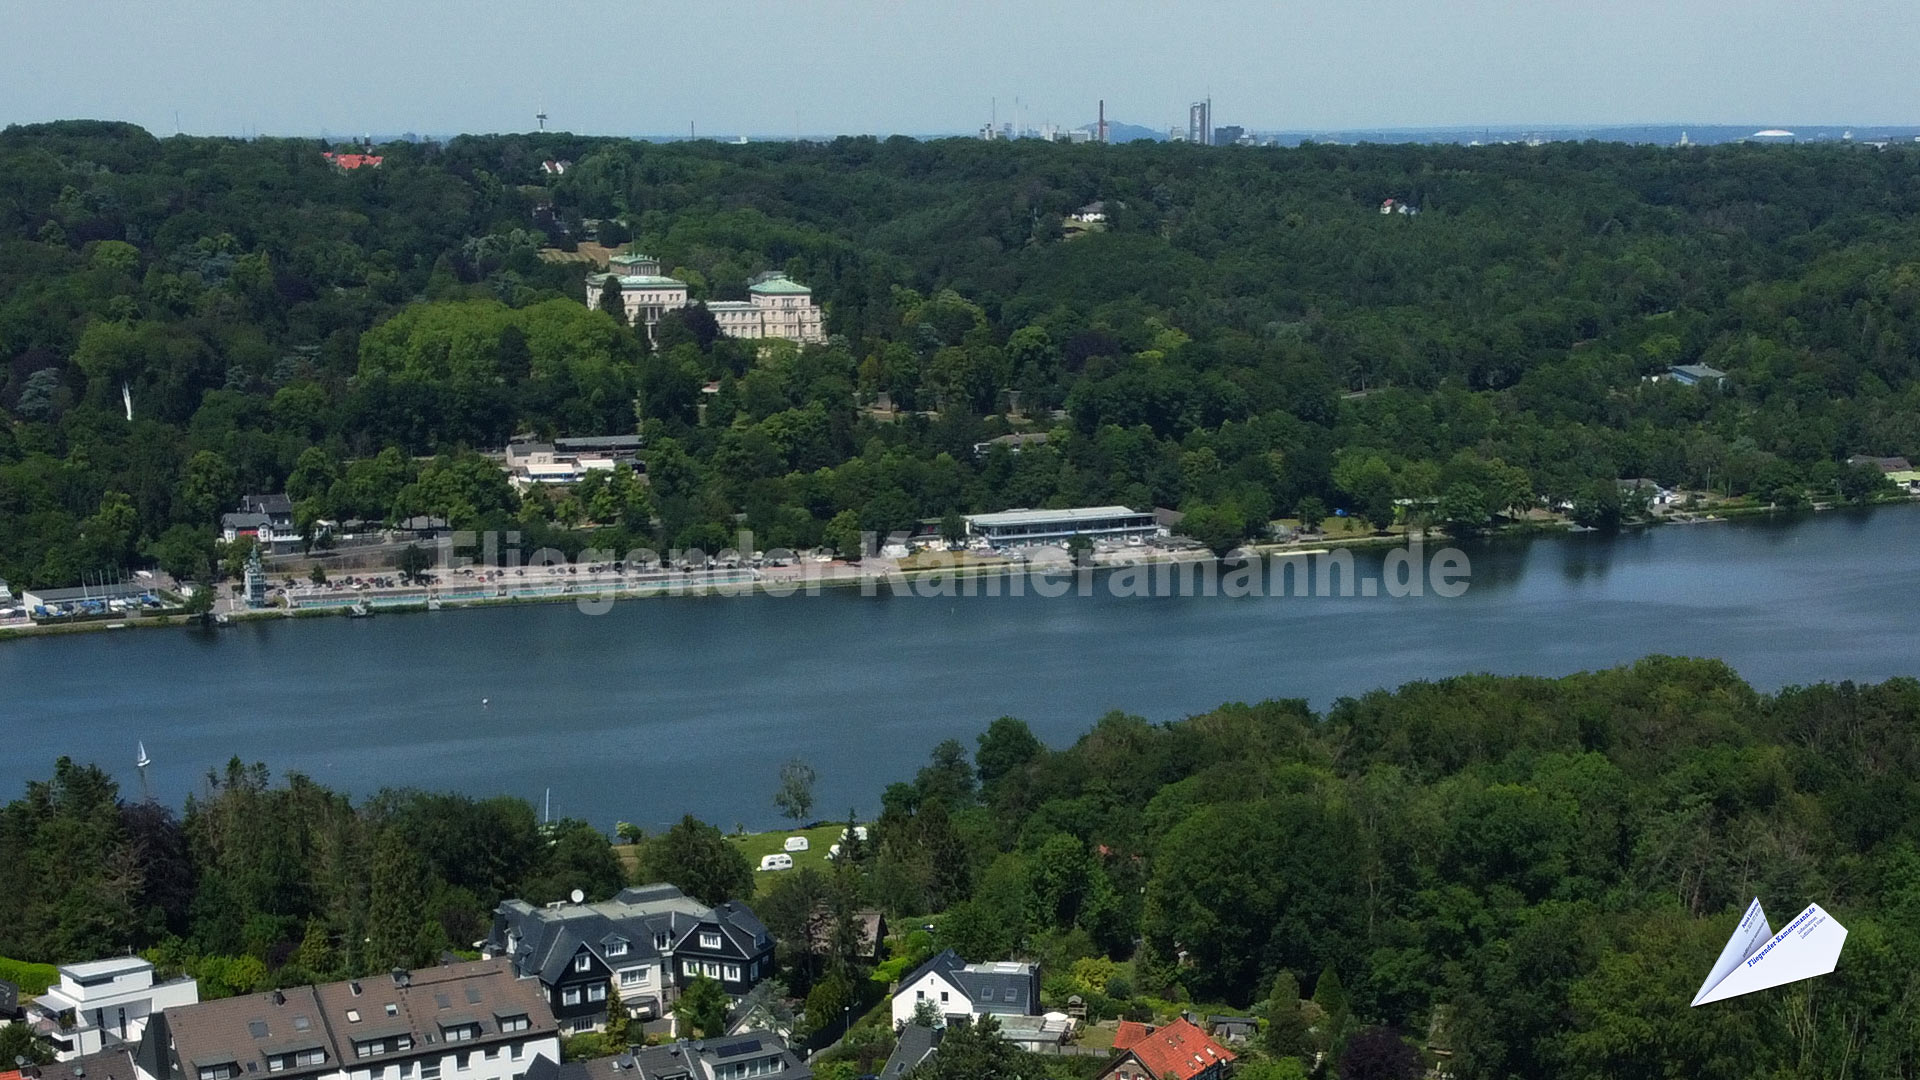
843,536
1337,1012
703,1007
1598,506
1464,510
18,1040
398,933
611,301
618,1018
974,1050
1220,528
1007,745
1286,1033
317,575
795,794
1378,1053
704,864
413,563
1311,512
953,528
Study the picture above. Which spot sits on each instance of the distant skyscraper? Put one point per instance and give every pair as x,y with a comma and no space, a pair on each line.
1200,122
1228,135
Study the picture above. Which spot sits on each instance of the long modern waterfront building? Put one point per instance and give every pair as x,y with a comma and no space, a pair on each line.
1050,526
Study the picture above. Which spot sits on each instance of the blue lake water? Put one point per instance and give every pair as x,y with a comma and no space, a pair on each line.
668,705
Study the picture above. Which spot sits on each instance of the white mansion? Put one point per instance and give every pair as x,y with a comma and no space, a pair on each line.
778,307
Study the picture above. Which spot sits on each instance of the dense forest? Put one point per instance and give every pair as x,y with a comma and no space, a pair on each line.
1533,874
1246,336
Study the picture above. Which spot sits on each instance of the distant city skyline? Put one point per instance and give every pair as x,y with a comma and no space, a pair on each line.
831,67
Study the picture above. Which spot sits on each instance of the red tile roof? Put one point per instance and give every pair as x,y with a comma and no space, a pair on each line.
1174,1052
353,161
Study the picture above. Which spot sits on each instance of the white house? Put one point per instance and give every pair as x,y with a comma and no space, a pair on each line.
956,989
104,1003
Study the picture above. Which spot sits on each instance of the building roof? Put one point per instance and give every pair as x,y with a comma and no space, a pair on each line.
599,442
639,281
1174,1052
1884,464
628,258
354,161
422,524
915,1045
1006,518
245,520
112,591
105,969
276,504
246,1031
780,285
1698,371
115,1064
1008,986
522,449
680,1060
545,940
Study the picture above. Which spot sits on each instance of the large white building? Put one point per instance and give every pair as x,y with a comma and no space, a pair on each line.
1015,527
104,1003
777,306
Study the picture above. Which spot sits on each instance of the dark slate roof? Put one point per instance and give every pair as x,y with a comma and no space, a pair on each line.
277,505
115,1064
1006,987
680,1059
244,519
547,939
914,1046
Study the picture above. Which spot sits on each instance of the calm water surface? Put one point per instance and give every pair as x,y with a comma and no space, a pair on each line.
669,705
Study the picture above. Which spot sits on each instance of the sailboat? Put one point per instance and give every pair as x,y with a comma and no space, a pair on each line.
143,760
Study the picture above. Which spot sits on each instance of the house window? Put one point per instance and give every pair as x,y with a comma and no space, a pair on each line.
943,997
518,1051
618,948
709,940
463,1062
689,968
732,972
986,993
597,992
661,941
570,996
1011,994
493,1053
311,1057
711,970
515,1023
353,1016
583,962
633,977
392,1009
919,995
430,1070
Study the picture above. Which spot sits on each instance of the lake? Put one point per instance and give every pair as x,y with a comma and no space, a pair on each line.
668,705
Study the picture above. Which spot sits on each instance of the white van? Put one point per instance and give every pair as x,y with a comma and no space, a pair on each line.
858,830
833,852
776,861
797,843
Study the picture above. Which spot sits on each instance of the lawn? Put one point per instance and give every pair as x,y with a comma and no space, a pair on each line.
754,845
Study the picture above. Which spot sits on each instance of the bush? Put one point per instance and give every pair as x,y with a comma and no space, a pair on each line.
587,1044
30,978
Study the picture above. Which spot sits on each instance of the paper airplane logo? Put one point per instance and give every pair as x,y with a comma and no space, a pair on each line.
1757,958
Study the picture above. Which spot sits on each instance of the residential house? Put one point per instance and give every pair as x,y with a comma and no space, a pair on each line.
1177,1051
104,1004
350,162
462,1021
651,939
958,989
1092,213
1233,1030
9,993
268,519
914,1045
1887,465
1695,374
117,1063
1014,443
568,461
757,1053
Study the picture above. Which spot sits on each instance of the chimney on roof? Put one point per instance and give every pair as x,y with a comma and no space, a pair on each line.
354,985
400,977
279,998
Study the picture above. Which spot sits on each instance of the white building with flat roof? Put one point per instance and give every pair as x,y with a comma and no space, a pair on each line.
1009,527
104,1003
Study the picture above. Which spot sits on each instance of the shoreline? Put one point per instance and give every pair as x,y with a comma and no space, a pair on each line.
885,580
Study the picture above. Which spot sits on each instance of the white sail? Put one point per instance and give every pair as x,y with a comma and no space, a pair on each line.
1807,947
143,760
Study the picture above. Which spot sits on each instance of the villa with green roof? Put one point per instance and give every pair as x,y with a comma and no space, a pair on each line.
778,306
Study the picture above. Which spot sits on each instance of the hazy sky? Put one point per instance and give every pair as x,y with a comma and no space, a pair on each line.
783,67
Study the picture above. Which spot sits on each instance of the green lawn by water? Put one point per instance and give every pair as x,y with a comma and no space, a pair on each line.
754,845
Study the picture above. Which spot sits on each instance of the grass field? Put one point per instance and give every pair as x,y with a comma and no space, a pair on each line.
754,845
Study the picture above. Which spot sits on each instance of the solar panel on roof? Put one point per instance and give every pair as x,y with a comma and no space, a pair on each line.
732,1049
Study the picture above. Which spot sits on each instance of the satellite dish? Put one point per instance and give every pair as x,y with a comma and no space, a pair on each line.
578,896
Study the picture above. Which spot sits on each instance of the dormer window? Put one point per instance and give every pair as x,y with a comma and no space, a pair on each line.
617,948
709,939
661,941
583,962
